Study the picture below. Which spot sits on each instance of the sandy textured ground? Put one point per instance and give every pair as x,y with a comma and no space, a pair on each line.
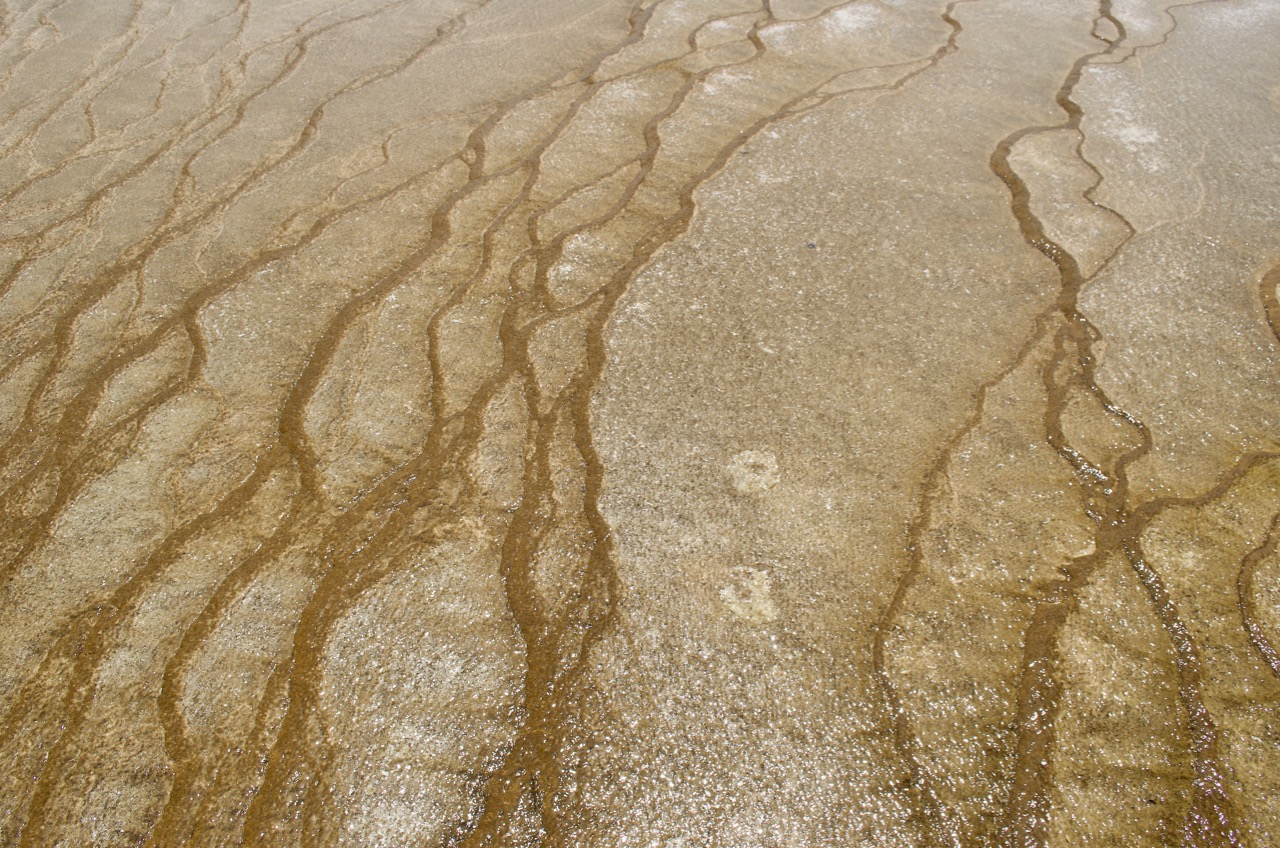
679,424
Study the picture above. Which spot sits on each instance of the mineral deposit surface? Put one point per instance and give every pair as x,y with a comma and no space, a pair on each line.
655,424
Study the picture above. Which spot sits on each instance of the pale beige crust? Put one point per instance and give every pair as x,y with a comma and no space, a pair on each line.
679,423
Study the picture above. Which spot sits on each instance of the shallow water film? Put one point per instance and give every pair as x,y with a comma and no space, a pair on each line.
670,424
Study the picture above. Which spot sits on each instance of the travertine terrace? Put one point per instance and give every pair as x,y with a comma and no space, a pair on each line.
655,424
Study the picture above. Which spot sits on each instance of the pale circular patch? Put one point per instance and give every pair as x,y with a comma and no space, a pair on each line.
752,472
749,598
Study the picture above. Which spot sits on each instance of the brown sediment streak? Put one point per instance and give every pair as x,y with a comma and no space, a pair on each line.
1173,25
292,426
198,121
515,336
934,817
419,481
31,695
1270,303
121,605
136,256
291,450
1105,490
284,769
1244,597
512,774
23,356
129,39
533,766
69,645
101,76
1118,527
293,444
242,9
175,821
76,413
932,812
298,448
186,132
1249,565
1211,818
1038,691
347,577
68,461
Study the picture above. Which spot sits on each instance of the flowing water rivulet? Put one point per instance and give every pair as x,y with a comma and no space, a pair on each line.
655,423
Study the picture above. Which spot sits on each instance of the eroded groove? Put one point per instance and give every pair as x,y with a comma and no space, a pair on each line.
525,770
1270,303
136,257
74,417
1027,815
1119,529
1244,594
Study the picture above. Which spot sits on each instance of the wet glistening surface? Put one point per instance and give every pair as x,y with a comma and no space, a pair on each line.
671,424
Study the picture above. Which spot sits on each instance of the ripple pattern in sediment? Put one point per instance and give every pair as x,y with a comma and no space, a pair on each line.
669,423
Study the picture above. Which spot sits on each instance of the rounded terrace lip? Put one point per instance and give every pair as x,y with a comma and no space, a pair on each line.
657,423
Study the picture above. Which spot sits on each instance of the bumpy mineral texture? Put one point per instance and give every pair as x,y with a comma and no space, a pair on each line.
656,424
